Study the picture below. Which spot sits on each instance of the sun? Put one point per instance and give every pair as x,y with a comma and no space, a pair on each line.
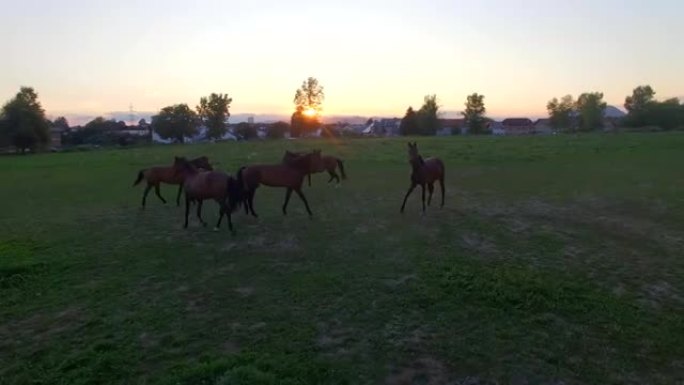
310,112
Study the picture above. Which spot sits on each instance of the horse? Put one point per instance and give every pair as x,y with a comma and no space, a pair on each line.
216,185
424,172
289,176
328,163
160,174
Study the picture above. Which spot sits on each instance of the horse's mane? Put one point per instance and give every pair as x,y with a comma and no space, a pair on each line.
417,161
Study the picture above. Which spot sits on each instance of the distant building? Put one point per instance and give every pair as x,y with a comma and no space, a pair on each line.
518,126
387,127
450,127
55,137
496,128
543,126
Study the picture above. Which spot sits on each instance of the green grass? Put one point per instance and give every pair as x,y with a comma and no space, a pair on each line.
556,260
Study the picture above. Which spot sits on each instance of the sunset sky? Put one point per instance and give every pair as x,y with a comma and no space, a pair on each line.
374,57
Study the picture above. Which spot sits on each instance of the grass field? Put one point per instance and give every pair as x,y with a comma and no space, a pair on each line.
557,260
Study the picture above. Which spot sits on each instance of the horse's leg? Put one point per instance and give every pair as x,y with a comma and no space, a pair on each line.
251,203
222,210
306,204
333,175
422,187
147,190
199,213
187,211
287,199
410,190
431,189
230,221
441,185
180,190
156,191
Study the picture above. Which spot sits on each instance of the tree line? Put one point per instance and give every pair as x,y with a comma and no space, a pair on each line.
23,123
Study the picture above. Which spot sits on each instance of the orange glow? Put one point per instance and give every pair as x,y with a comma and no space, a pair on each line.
310,112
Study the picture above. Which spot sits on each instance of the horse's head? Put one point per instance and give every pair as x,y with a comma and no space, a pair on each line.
182,166
203,163
412,150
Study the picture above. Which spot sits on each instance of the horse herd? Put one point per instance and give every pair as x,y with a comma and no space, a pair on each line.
200,182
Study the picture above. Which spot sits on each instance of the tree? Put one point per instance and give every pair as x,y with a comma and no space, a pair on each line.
561,112
474,114
301,123
175,122
590,107
308,102
214,111
409,123
310,96
246,131
61,123
428,120
24,123
640,99
277,130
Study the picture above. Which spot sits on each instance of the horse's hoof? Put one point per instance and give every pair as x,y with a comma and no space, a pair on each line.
204,224
216,229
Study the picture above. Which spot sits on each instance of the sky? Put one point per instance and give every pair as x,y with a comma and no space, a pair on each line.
373,57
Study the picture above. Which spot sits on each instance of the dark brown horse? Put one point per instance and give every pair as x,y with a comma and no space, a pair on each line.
216,185
154,176
424,172
328,163
289,176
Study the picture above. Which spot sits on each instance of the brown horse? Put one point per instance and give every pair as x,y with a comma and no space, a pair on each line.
216,185
424,172
160,174
328,163
289,176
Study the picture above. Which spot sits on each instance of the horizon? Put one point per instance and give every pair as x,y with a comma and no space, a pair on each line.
374,59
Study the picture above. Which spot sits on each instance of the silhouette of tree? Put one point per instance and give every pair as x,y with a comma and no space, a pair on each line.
23,121
214,111
175,122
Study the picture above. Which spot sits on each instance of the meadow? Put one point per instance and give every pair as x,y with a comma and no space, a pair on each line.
556,260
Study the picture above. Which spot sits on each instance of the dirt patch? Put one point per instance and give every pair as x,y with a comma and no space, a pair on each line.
395,282
230,347
245,291
479,243
289,243
424,371
334,340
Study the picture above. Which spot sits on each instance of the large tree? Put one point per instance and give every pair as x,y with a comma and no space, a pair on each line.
277,130
61,123
590,109
640,99
561,112
474,114
23,121
308,102
214,111
428,119
409,123
175,122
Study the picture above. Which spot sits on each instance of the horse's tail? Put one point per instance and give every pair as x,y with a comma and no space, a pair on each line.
141,175
341,166
236,190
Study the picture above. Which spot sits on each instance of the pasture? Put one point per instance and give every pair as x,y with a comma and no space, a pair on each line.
556,260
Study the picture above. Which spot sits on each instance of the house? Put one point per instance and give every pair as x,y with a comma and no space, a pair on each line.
496,128
55,137
387,127
450,126
518,126
543,126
